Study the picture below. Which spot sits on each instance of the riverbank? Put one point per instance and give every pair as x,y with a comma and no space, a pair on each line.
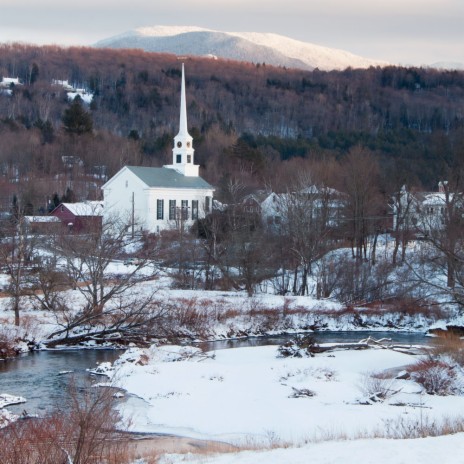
192,316
252,394
254,399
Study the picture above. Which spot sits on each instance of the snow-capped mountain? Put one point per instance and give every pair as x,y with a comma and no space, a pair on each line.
255,47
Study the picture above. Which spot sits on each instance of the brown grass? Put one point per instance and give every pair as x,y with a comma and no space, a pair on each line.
450,345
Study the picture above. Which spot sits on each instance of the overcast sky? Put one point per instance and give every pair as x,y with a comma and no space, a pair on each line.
399,31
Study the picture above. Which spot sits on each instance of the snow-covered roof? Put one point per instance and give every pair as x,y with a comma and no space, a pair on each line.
87,208
65,84
86,97
10,80
315,190
276,203
434,198
40,219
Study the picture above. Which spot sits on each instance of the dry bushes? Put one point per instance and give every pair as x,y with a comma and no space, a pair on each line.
187,315
437,377
81,431
404,428
8,343
439,373
450,345
403,307
376,387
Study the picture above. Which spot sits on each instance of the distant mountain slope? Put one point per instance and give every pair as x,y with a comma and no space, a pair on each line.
448,65
242,46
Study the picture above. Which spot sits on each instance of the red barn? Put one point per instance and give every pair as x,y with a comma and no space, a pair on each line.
80,217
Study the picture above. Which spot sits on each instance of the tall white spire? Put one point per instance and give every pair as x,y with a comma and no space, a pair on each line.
183,152
183,108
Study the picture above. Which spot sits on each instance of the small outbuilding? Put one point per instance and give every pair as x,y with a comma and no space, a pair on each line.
80,217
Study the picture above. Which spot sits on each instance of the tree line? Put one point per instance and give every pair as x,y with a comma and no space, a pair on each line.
240,114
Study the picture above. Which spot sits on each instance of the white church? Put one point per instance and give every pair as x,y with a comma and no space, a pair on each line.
157,199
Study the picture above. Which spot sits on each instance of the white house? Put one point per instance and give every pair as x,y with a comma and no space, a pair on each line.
72,92
157,199
6,83
314,201
424,211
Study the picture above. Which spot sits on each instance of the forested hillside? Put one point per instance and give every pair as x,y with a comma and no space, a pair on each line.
249,120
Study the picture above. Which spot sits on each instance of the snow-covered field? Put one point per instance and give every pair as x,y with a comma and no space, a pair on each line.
334,407
447,450
250,397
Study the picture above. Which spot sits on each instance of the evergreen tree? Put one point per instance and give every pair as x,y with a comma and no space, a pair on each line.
76,120
69,196
15,209
54,202
34,73
46,130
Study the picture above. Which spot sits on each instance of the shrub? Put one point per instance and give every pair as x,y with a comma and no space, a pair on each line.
299,347
83,432
437,377
8,344
450,345
405,428
376,387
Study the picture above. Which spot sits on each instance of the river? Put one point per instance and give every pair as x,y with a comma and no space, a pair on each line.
39,377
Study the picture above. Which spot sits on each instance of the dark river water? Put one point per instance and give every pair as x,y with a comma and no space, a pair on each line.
39,377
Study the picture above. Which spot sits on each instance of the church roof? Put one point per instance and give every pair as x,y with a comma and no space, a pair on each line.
167,178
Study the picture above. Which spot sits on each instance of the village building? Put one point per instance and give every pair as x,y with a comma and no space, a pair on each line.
43,225
156,199
7,84
82,217
423,212
274,208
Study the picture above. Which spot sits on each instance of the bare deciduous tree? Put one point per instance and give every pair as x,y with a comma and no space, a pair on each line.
106,305
308,217
364,206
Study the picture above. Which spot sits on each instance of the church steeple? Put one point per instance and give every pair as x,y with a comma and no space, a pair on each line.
182,153
183,108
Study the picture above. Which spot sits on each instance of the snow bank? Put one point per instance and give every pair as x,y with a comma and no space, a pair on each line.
447,449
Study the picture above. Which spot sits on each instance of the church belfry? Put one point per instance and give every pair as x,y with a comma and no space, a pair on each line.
183,152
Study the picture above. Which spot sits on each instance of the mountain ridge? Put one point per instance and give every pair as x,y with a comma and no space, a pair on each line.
269,48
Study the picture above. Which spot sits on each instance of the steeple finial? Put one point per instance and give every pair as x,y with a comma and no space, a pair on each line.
183,108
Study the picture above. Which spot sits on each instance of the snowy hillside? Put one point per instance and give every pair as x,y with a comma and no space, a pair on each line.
243,46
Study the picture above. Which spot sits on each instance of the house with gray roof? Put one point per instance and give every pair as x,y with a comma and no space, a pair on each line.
156,199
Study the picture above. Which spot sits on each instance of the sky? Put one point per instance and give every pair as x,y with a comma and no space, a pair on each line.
407,32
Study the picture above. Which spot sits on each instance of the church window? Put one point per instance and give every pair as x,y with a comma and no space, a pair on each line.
159,209
172,209
207,204
194,209
184,205
178,158
189,158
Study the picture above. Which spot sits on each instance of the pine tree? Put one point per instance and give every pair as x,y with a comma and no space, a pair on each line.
34,73
76,120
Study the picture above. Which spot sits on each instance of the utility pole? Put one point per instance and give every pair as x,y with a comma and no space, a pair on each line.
133,214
